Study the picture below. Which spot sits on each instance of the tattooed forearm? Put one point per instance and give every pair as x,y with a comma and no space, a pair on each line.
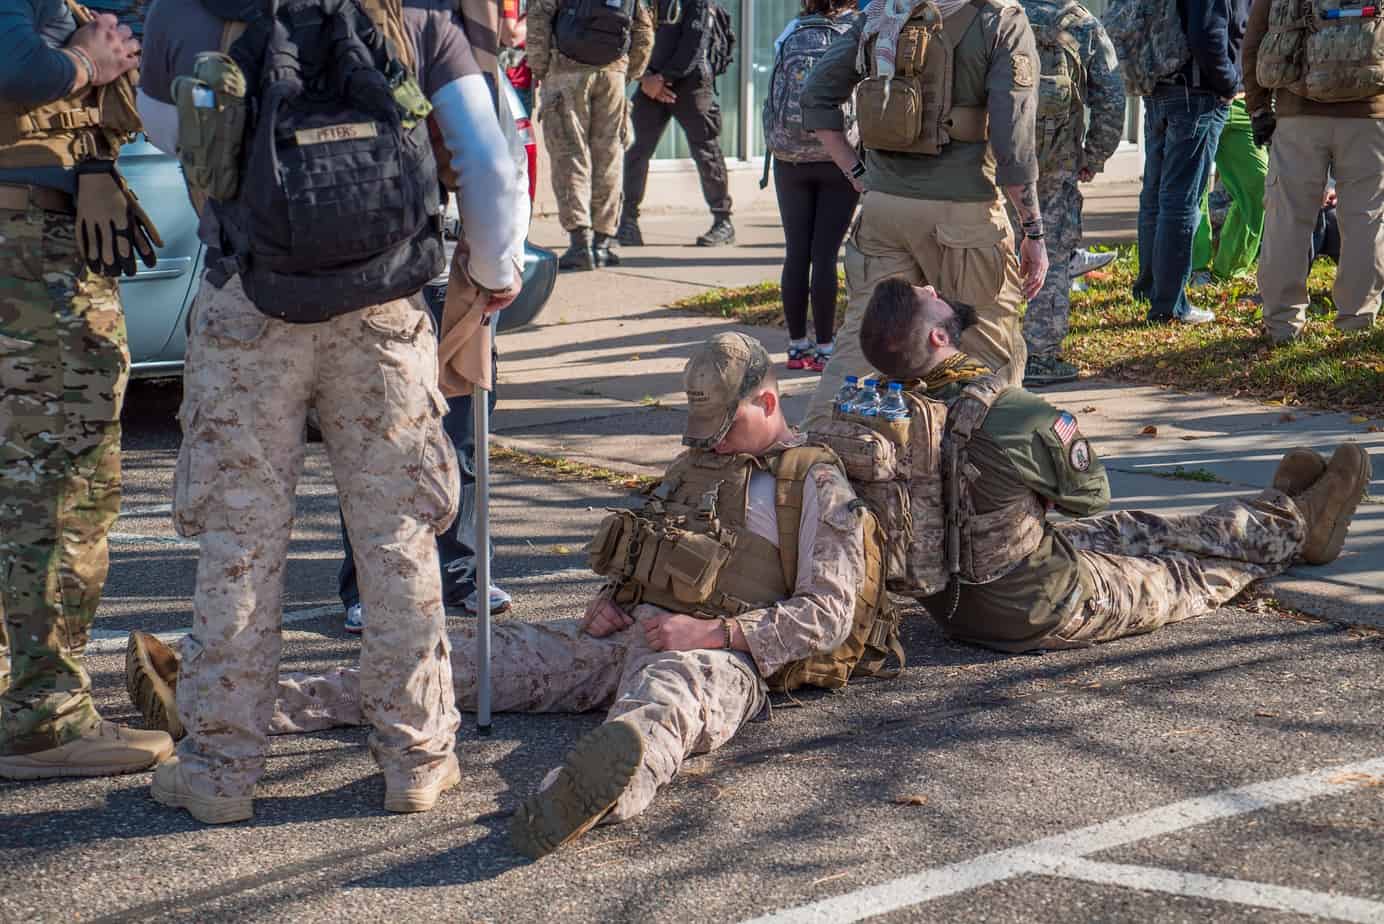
1025,201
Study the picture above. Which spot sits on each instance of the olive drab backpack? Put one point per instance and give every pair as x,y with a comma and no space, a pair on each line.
595,32
1061,87
338,204
1315,52
1150,42
782,117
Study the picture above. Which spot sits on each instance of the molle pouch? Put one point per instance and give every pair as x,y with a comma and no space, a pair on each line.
211,124
606,552
889,502
413,105
889,111
867,455
691,564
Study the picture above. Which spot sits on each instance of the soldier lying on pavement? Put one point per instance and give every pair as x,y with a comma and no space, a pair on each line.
982,463
752,566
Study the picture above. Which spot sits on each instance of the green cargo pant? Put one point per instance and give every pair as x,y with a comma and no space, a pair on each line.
63,367
1242,166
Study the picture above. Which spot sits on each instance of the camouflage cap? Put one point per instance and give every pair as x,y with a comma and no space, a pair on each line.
722,372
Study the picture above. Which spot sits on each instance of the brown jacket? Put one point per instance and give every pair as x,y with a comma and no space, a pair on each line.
1285,102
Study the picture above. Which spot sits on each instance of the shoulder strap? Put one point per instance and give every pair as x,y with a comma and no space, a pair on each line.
388,16
231,30
790,474
955,28
969,411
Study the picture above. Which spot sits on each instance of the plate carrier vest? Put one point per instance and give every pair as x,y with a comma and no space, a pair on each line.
1329,60
688,550
90,124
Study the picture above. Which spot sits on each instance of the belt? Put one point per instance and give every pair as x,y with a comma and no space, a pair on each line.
20,198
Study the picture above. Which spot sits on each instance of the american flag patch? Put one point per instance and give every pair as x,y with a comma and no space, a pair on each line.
1064,427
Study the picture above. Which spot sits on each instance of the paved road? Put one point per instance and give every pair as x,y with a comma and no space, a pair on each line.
1078,786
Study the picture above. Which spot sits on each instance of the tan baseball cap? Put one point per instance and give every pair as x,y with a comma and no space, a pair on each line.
722,372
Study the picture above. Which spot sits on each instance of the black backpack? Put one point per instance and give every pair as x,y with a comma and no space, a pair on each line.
595,32
720,44
339,206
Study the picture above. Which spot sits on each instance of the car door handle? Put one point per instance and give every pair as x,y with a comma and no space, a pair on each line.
171,268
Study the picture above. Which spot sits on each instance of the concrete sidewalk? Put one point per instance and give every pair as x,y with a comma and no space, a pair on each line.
600,381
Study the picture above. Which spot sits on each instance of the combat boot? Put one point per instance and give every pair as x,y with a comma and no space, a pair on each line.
578,255
151,679
586,787
604,250
170,788
629,234
721,233
1298,470
422,797
106,750
1328,505
1048,370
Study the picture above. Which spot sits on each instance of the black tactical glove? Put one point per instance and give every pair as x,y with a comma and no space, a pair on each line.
1262,124
111,225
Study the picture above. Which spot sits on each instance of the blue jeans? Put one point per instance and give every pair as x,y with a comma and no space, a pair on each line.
1181,130
456,545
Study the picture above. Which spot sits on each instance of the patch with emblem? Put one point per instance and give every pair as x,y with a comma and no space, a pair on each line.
1080,455
1023,70
1064,427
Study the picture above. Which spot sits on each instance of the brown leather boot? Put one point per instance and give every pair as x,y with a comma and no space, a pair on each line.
1328,505
1298,471
151,679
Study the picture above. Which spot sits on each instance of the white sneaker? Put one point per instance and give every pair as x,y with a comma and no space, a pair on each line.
1083,261
500,602
355,619
1196,315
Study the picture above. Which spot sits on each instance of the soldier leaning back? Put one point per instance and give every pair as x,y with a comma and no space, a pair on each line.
372,375
1026,583
673,684
68,226
933,165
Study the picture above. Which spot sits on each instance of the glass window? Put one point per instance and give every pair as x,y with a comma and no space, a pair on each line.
770,18
673,145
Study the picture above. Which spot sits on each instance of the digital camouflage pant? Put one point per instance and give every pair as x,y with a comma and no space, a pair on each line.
63,367
1141,570
682,702
586,130
250,379
1049,312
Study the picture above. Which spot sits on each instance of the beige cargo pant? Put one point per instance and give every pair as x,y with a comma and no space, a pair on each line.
585,120
682,702
250,379
963,249
1141,571
1304,148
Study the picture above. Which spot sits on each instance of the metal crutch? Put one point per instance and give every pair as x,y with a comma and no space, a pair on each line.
480,409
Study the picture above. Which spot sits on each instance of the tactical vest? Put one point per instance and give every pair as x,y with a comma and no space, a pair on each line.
912,112
1309,52
91,123
916,478
689,550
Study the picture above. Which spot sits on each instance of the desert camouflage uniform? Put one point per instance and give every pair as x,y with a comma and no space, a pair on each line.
1073,146
64,363
585,119
372,375
682,702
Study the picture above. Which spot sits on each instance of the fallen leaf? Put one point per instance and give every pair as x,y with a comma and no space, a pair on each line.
1089,409
1266,714
1150,430
1287,418
912,799
1359,419
562,550
634,358
630,483
1365,778
1372,429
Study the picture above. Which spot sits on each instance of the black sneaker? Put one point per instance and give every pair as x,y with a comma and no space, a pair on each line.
721,233
629,234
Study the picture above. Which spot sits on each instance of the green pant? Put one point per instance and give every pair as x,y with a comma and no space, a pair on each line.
63,367
1242,166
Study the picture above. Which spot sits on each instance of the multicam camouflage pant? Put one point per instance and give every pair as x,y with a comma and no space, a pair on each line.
250,379
682,702
63,367
585,119
1048,314
1141,570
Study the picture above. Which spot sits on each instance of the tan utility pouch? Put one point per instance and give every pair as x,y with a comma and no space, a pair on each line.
211,124
607,551
689,564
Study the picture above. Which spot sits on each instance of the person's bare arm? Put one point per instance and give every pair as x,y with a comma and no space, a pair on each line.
1033,253
842,154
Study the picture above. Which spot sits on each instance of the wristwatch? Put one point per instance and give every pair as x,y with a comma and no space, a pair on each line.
857,171
728,626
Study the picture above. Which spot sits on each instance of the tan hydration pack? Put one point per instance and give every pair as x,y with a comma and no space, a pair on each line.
914,474
911,111
1325,50
688,550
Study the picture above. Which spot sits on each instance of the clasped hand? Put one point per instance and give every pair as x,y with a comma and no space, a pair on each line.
663,631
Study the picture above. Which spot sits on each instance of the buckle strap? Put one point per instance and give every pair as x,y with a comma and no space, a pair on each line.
66,120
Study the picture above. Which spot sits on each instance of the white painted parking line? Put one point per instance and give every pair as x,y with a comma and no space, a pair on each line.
1040,856
1238,891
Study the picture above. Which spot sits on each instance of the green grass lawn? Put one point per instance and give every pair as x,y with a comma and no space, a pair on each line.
1109,336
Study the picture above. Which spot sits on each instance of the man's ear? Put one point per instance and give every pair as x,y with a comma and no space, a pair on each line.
937,338
769,401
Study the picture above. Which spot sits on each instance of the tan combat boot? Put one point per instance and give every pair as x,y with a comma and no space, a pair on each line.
586,787
170,788
422,797
1298,470
151,679
1328,505
106,750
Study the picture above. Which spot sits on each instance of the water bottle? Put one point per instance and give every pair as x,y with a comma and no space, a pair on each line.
867,404
892,405
848,393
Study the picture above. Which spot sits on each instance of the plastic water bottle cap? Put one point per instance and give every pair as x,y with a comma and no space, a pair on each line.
851,380
896,386
871,383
